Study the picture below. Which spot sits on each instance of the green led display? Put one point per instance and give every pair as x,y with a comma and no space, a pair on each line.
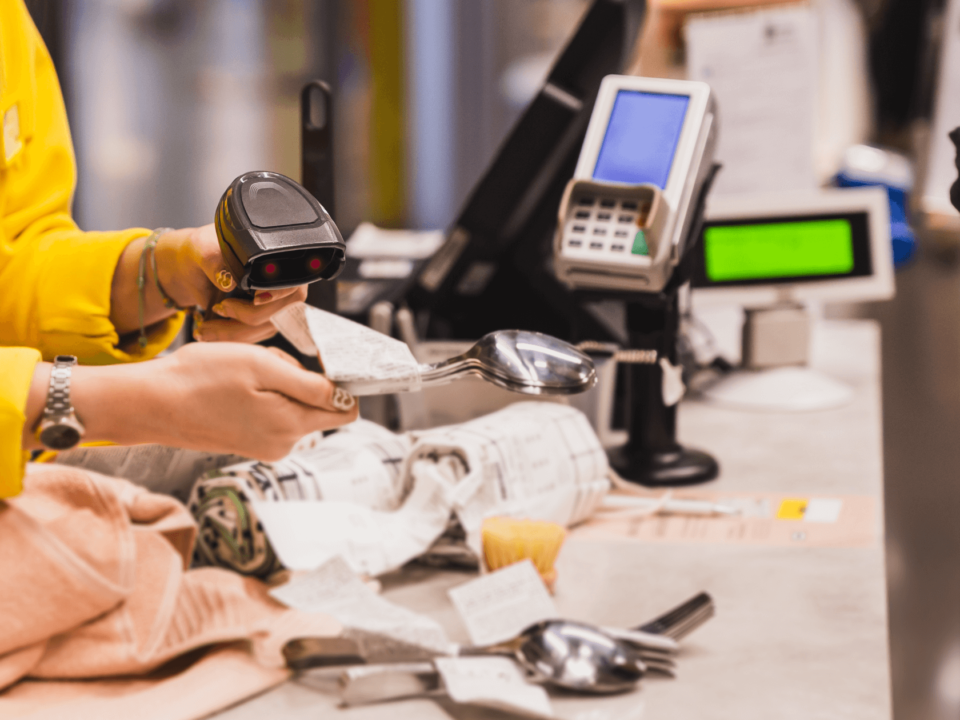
777,250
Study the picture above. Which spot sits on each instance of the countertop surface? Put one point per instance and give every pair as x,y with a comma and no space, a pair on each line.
800,631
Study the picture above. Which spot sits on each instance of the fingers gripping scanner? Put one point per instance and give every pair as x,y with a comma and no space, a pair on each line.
274,234
626,215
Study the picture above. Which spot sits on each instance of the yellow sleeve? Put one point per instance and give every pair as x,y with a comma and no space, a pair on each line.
55,280
16,372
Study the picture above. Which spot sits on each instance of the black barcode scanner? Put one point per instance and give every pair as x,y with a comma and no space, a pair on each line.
274,234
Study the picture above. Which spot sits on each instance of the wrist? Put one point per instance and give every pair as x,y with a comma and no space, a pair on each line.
177,271
116,403
36,401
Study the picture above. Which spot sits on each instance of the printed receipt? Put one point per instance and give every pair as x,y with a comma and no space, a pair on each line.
360,360
384,632
307,533
533,460
499,606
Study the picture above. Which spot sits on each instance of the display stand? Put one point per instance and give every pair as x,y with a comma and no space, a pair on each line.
652,456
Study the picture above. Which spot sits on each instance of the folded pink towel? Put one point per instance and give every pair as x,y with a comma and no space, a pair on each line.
95,584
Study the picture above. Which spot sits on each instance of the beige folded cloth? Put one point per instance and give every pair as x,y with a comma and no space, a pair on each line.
94,584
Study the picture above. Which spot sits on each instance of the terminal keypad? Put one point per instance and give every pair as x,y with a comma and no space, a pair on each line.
606,225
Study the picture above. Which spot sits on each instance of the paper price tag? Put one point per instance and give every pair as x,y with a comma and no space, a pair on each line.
498,606
494,682
358,359
382,630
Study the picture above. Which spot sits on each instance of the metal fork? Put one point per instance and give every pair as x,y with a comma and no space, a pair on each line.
676,623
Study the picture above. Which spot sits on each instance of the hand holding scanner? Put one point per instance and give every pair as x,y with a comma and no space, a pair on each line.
274,234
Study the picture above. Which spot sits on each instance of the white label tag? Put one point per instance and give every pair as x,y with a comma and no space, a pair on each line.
823,510
384,631
360,360
673,387
492,682
498,606
11,133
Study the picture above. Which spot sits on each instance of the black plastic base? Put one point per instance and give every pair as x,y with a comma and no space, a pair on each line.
677,467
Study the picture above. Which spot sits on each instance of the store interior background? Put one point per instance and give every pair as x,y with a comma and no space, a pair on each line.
169,100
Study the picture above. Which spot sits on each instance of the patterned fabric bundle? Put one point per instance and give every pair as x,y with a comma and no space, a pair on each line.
400,495
360,464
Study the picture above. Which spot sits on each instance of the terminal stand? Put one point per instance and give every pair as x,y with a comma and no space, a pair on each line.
652,456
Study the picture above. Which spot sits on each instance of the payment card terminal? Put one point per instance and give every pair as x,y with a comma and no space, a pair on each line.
626,213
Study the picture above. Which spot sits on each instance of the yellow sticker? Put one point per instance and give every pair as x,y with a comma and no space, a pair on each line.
792,509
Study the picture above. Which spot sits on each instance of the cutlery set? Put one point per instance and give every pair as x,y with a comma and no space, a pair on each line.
559,653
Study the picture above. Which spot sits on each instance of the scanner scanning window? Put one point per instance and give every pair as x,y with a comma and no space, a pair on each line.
641,138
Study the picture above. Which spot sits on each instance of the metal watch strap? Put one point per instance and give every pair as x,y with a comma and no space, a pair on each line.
59,427
58,394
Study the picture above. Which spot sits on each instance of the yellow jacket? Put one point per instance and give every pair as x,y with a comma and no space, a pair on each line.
54,279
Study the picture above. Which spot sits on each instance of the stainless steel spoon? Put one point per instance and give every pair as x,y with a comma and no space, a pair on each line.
521,361
561,653
571,655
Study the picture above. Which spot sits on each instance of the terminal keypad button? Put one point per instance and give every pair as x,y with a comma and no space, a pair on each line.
601,217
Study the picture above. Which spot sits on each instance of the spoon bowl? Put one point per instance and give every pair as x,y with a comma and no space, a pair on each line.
521,361
578,657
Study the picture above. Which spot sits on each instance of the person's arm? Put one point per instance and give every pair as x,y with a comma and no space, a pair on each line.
221,397
16,375
65,291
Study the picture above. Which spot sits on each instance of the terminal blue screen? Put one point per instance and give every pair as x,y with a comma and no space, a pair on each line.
641,138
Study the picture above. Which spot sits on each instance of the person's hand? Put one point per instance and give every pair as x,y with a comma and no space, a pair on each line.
223,397
192,271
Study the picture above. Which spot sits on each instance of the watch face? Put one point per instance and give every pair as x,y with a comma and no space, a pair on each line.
60,436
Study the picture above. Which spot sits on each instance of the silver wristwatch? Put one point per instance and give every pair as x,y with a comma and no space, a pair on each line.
59,428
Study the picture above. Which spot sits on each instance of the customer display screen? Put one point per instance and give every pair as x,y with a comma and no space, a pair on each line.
781,249
641,138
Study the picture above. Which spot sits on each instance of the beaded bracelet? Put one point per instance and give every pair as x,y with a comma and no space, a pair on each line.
151,246
168,302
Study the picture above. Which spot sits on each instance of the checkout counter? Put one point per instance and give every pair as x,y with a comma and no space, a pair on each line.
801,624
561,224
798,575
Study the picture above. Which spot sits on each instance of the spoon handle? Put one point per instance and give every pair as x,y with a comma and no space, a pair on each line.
366,684
449,370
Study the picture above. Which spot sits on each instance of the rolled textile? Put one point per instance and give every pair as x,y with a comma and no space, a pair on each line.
361,464
379,499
